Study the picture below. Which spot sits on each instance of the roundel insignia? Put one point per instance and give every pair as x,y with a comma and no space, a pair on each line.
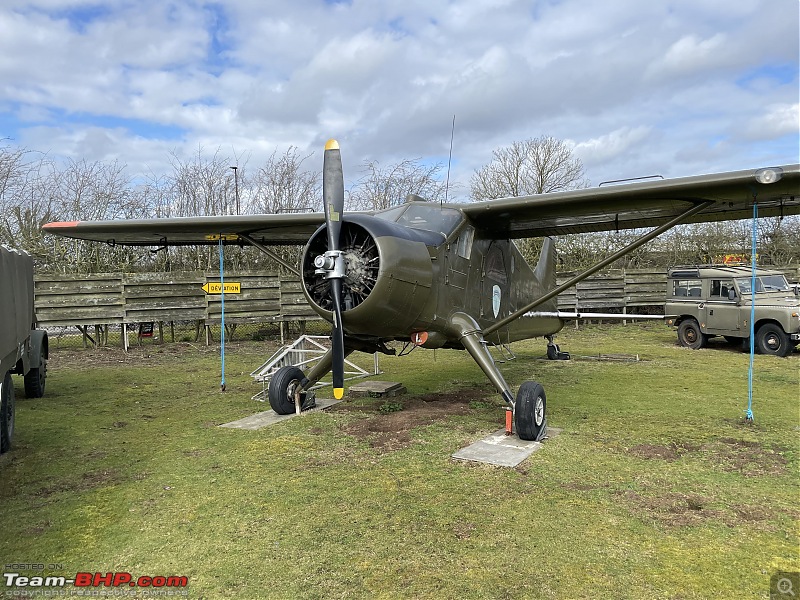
496,296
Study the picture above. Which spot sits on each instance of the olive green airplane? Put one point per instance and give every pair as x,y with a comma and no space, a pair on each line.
449,275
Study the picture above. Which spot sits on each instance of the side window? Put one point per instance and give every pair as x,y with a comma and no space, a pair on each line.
465,242
683,288
720,288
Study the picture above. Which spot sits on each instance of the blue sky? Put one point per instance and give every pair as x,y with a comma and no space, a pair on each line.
636,88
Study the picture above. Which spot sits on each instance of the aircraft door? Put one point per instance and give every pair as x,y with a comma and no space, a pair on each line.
495,282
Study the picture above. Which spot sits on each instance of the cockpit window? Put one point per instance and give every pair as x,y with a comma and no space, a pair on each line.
430,217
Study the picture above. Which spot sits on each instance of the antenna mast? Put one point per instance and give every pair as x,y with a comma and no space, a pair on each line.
449,160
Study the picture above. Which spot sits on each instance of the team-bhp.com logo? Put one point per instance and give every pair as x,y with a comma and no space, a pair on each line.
96,580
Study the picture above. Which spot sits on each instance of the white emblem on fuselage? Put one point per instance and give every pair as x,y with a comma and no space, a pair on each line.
496,295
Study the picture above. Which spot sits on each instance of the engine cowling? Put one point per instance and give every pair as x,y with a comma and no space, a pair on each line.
388,276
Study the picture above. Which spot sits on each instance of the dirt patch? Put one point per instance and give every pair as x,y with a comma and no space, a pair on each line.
392,431
746,457
676,510
88,481
149,355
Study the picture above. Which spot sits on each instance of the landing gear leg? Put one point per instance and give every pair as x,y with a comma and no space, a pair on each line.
554,352
530,405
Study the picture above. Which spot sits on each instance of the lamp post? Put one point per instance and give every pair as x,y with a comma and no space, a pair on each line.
236,186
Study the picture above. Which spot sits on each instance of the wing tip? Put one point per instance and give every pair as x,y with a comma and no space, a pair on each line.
60,225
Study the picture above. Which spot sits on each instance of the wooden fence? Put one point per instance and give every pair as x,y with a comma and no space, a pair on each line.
106,299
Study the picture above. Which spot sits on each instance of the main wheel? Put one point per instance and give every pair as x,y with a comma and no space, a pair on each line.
529,411
771,339
36,378
282,387
7,410
690,336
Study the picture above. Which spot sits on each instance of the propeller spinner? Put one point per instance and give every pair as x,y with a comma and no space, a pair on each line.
331,263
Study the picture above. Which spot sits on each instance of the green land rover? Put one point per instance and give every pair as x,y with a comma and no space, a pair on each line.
717,300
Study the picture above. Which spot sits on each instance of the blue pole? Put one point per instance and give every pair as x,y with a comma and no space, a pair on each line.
749,411
222,322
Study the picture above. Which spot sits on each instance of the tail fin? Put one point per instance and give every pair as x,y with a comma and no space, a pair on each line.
545,271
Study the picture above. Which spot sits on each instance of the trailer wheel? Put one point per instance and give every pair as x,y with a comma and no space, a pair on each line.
7,410
36,377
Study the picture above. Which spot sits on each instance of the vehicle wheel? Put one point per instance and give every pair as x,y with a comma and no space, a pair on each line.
552,352
690,336
771,339
36,378
7,410
529,411
282,387
732,339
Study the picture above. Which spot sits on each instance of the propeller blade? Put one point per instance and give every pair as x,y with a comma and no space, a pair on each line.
333,198
333,192
337,340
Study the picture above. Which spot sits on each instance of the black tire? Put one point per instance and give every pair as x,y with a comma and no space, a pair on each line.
771,339
281,389
690,336
7,411
35,379
530,416
552,352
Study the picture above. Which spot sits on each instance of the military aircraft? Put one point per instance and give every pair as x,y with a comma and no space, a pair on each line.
449,275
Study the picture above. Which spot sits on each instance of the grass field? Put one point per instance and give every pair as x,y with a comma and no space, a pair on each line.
655,489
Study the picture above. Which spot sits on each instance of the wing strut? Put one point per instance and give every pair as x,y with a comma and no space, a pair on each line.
603,263
274,256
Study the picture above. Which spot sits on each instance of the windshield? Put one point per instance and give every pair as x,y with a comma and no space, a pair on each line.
429,217
764,283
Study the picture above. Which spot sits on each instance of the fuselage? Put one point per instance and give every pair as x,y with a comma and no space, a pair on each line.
412,268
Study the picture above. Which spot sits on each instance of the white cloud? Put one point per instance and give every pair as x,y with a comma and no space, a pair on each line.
640,87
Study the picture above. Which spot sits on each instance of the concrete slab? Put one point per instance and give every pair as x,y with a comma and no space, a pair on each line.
376,389
502,450
270,417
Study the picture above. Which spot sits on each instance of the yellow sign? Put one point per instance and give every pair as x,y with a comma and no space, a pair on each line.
215,287
228,237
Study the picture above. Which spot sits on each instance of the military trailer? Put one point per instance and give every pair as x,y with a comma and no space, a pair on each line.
23,348
717,300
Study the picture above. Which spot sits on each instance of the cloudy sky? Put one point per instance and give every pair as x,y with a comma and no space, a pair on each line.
636,88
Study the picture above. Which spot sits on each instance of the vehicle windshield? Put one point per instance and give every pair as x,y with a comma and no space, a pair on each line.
430,217
764,283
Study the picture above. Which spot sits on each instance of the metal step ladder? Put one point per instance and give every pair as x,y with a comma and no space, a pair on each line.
303,353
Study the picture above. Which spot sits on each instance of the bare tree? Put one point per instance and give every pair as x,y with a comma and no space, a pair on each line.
283,185
534,166
384,187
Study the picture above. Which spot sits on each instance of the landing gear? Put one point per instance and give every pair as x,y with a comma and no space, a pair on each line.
554,352
282,388
529,411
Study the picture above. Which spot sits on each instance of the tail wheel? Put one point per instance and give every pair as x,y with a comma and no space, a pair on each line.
282,387
529,411
690,336
7,410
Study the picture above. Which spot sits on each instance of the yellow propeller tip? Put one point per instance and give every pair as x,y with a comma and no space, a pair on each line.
332,145
338,393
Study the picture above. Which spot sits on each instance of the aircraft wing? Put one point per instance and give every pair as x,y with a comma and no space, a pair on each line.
275,229
644,204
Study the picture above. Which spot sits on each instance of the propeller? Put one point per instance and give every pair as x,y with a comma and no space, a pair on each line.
331,264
